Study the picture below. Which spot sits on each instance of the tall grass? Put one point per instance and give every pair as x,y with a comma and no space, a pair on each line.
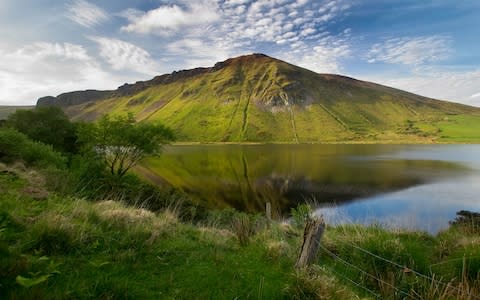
66,247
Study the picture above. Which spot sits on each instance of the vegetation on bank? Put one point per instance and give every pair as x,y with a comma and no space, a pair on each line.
70,229
61,247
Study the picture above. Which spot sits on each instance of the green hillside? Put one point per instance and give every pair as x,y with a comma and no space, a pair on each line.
257,98
5,111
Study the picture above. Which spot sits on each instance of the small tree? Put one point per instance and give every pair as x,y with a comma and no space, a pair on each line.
122,143
48,125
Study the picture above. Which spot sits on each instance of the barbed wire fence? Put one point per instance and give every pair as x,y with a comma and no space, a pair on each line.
404,268
398,292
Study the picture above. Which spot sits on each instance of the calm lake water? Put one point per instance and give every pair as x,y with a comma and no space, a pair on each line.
407,186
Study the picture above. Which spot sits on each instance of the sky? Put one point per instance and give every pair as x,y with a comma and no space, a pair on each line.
48,47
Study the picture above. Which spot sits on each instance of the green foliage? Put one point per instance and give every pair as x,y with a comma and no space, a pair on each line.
16,146
122,143
48,125
244,228
5,111
301,214
107,250
468,221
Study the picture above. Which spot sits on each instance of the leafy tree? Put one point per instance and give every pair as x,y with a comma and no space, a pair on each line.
47,124
122,143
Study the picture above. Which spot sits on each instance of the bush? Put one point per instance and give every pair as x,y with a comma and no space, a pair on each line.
47,125
300,215
468,221
16,146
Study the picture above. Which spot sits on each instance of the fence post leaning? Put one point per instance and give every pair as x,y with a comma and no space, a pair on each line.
311,242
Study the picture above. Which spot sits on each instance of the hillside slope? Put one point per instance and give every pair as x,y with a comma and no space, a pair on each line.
256,98
6,110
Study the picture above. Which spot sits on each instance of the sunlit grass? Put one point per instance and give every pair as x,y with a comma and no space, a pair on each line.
236,104
63,247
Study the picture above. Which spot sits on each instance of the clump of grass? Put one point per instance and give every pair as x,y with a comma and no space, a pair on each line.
277,249
317,283
436,288
300,215
243,227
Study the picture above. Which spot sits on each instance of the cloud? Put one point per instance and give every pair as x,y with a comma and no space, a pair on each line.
323,56
411,50
200,52
167,18
213,29
421,75
86,14
41,69
121,55
439,83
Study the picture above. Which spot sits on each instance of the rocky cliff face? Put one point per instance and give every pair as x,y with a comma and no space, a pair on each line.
74,98
80,97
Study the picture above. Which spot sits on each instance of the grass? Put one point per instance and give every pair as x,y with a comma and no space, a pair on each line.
460,128
71,248
68,248
246,102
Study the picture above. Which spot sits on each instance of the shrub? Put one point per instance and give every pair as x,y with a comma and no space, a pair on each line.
16,146
48,125
468,221
301,214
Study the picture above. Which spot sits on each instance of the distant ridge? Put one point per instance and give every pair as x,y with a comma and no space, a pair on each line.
257,98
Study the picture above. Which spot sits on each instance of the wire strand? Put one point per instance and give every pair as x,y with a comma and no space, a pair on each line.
405,267
364,272
355,283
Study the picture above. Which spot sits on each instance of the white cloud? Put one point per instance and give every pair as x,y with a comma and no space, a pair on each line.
421,75
229,3
411,51
126,56
200,53
323,56
167,18
195,33
41,69
86,14
452,85
237,26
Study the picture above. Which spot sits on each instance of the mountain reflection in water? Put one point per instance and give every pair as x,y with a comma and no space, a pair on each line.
247,176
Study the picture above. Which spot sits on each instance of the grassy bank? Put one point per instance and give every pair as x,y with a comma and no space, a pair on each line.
54,247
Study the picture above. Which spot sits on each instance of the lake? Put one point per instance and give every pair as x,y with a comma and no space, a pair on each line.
400,186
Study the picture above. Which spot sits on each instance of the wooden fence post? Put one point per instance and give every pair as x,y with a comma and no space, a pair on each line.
268,211
311,242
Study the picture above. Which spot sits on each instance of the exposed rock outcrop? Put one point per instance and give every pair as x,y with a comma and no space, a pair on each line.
79,97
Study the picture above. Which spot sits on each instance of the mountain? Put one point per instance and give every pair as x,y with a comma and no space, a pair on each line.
256,98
